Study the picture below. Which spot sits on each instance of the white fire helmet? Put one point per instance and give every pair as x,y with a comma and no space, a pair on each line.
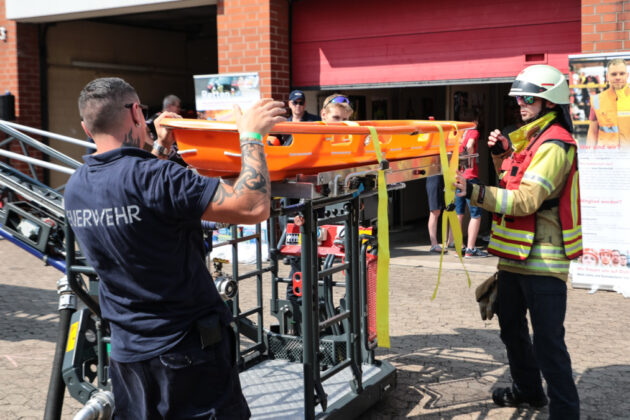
542,81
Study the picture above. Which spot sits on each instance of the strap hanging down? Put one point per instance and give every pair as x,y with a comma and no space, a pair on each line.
449,217
382,270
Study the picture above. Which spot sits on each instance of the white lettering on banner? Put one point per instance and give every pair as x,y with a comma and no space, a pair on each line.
111,216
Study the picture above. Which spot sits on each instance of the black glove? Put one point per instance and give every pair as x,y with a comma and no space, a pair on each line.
498,148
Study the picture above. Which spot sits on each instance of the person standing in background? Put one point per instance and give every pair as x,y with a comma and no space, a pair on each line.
336,108
297,106
469,146
172,103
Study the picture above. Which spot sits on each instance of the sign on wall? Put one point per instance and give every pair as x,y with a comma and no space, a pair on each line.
600,110
216,94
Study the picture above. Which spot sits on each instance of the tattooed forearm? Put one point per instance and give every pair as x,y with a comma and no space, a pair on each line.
254,175
253,178
130,141
220,194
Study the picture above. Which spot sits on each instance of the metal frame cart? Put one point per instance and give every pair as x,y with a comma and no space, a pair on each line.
325,368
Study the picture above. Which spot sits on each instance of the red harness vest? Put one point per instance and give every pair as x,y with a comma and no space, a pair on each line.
512,236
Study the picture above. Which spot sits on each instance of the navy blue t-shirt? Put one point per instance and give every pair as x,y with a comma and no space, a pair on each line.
138,222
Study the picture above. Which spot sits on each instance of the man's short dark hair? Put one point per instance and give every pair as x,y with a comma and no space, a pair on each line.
170,100
102,103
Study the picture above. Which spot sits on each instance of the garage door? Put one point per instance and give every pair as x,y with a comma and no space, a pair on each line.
371,42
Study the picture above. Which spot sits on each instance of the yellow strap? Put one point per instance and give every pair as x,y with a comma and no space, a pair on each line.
382,268
449,216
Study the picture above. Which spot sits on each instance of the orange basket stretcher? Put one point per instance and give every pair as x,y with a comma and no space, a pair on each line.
213,147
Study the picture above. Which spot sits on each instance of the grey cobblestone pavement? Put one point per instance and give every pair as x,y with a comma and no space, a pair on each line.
447,358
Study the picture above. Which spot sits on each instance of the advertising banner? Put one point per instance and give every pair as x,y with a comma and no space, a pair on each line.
216,94
600,110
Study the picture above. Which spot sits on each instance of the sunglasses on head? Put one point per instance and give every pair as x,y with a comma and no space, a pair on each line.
298,102
337,100
526,99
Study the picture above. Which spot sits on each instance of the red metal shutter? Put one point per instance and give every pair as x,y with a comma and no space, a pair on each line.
397,42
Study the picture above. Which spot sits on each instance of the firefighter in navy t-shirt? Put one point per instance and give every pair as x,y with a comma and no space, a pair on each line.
137,218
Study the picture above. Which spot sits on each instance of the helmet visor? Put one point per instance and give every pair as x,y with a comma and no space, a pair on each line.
520,87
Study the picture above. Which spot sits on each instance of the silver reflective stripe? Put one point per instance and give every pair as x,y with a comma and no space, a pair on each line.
301,154
571,234
529,237
543,252
504,201
613,129
508,248
539,180
538,265
574,247
574,201
595,101
340,153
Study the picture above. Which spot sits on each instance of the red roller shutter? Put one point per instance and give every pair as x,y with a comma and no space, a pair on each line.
370,42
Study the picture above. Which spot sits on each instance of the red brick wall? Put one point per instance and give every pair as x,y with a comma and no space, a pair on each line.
605,25
19,74
253,35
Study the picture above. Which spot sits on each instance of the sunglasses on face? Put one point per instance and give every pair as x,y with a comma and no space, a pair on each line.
297,102
526,99
144,108
337,100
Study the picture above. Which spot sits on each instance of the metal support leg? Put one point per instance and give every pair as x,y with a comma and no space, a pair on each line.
308,318
354,296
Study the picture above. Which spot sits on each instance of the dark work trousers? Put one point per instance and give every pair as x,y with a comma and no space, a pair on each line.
546,299
186,382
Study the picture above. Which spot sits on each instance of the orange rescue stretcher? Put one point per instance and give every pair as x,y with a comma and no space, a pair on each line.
213,147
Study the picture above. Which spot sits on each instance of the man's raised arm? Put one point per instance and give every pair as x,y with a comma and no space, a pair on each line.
248,200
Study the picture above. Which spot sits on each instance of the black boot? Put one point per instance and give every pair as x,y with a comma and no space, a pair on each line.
511,397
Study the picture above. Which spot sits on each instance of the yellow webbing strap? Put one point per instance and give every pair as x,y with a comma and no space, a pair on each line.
449,216
382,268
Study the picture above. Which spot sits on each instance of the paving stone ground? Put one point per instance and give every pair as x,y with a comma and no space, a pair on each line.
447,358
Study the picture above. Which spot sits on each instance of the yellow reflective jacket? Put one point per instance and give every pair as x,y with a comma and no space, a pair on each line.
543,180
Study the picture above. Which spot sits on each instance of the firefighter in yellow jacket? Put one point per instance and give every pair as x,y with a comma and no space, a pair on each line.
536,231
